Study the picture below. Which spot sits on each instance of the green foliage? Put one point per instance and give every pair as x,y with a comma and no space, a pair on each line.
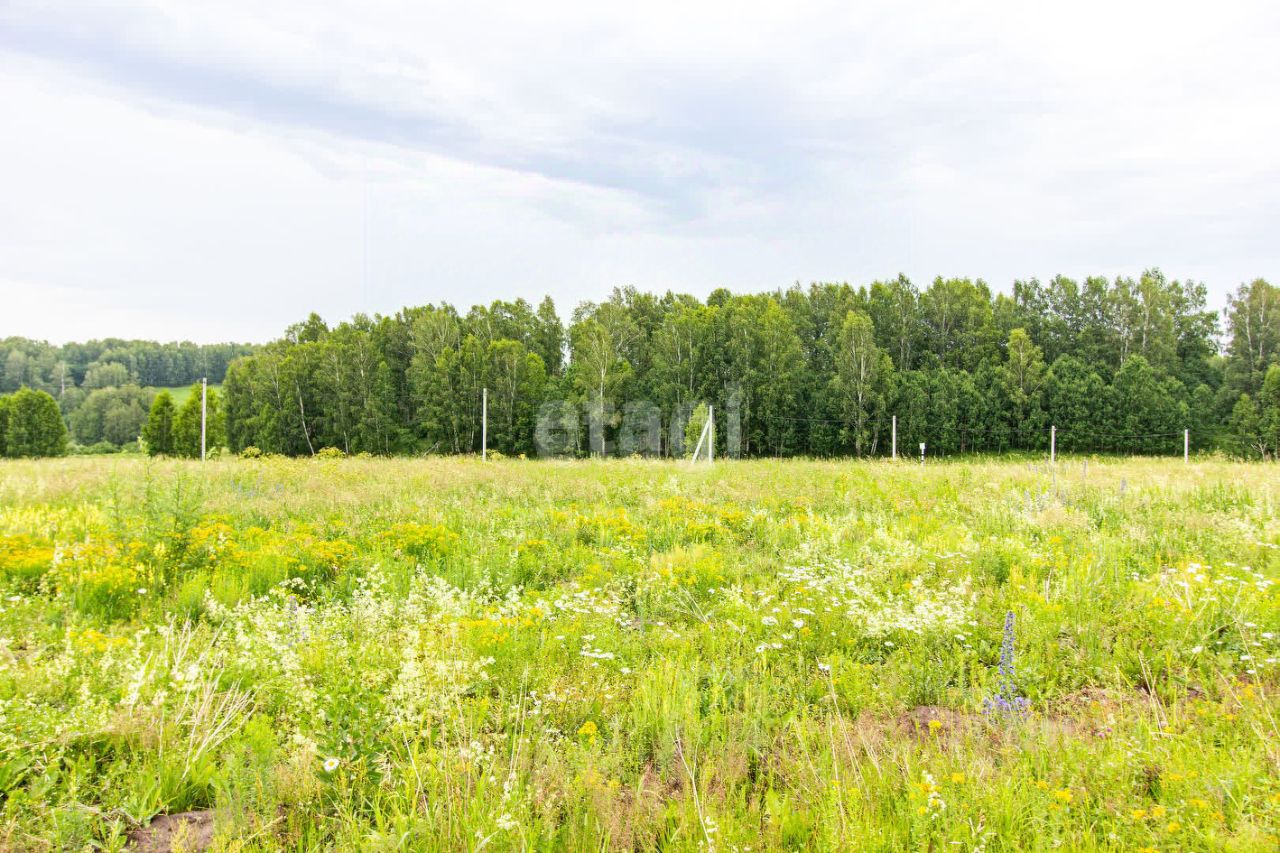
1073,396
1245,428
1269,411
6,405
693,430
33,425
1120,365
158,432
110,363
186,424
963,369
112,415
864,378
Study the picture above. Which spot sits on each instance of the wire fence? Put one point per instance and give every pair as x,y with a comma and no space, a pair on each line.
942,439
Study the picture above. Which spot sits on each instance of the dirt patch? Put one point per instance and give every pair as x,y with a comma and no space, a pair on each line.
185,832
934,720
1097,700
1091,712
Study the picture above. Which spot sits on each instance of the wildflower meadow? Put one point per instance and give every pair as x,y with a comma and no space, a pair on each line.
448,654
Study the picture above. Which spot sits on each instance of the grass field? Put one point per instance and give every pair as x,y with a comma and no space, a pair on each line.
180,393
451,655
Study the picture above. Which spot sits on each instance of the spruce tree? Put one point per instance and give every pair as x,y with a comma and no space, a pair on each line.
186,425
1269,410
4,423
1246,428
158,432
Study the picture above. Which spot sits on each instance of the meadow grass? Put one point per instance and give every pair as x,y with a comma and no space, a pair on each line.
181,393
444,654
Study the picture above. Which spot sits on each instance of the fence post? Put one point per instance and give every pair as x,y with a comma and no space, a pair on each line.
484,424
204,413
1186,446
895,438
1053,444
711,434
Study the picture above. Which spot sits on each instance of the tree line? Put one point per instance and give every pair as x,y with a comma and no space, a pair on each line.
111,362
32,425
1122,364
105,388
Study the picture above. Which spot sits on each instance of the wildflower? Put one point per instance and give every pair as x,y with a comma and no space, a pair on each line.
1158,812
1007,700
1063,795
1173,827
588,730
1138,814
935,725
957,778
331,764
825,667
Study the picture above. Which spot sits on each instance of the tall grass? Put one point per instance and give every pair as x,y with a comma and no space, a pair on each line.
443,654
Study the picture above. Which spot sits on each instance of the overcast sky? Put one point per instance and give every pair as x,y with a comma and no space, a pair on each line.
215,171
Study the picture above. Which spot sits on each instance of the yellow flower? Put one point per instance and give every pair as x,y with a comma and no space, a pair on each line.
1138,814
1062,795
922,809
957,778
935,725
588,729
1158,812
1199,803
1173,827
1042,785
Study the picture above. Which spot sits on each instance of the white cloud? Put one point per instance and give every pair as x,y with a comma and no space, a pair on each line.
182,169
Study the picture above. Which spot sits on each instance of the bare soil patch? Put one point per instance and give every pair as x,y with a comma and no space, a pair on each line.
185,832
